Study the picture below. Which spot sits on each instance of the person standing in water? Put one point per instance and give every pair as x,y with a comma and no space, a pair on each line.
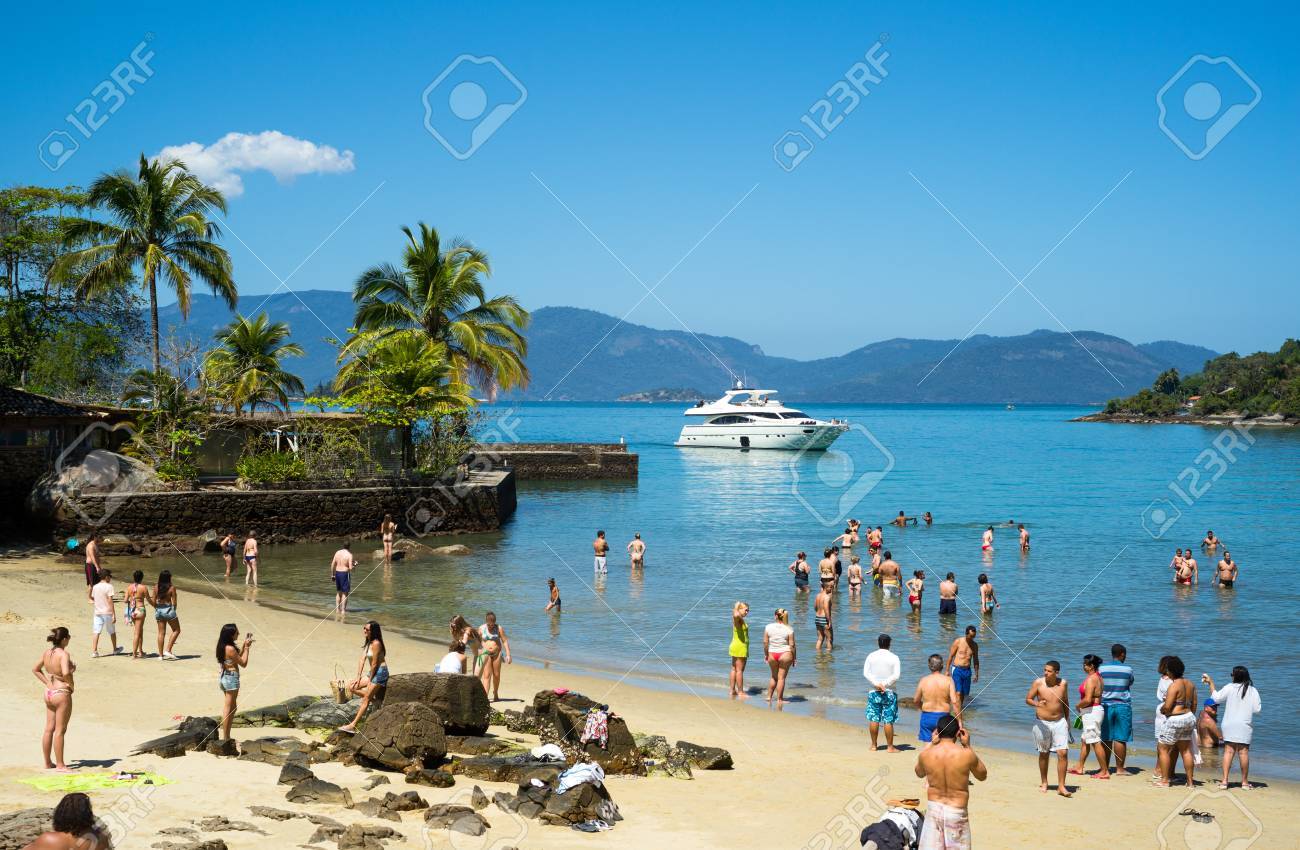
963,661
855,577
779,652
800,569
368,682
105,616
54,670
137,594
228,552
600,546
636,551
988,599
946,764
1189,572
164,611
915,587
1047,695
738,650
1210,543
1176,565
229,660
1024,538
823,607
948,595
986,544
890,576
826,566
1226,576
554,590
388,534
495,646
250,559
341,571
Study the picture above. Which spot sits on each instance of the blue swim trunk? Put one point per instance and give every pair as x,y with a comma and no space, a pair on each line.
882,707
343,581
1117,722
929,720
961,680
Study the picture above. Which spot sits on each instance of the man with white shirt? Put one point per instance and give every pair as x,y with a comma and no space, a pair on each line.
101,597
882,671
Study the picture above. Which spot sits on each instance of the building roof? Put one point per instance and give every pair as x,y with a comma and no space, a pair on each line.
21,404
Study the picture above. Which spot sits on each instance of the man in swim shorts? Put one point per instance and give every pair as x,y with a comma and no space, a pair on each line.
947,764
823,607
101,596
934,697
92,562
964,664
341,571
890,576
1117,703
1024,538
601,548
1051,724
1189,572
1227,574
948,595
882,670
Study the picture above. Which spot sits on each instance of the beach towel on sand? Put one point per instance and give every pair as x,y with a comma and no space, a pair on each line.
69,782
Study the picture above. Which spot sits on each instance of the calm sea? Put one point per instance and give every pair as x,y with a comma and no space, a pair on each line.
723,526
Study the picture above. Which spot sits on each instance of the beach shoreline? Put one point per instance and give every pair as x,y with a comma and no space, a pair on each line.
820,774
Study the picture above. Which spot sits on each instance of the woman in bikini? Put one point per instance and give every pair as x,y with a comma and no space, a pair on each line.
54,670
855,577
495,645
739,649
164,611
915,587
1179,712
463,632
230,660
779,653
388,532
228,552
137,594
1090,714
369,681
251,558
74,827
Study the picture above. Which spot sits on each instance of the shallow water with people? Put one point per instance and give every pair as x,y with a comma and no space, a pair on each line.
723,525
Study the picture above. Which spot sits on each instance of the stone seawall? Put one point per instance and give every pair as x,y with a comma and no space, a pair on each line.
558,461
482,503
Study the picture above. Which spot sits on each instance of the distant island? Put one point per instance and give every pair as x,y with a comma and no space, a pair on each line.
1263,387
1044,367
663,394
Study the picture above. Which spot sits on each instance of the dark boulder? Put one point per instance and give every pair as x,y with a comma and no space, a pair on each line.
365,836
433,778
282,714
483,745
705,758
561,720
458,699
460,819
327,715
295,770
662,759
582,803
277,751
227,747
506,769
194,733
318,791
401,734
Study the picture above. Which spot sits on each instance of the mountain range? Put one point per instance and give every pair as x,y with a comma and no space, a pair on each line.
623,358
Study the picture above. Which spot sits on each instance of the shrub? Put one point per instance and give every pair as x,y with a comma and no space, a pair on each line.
269,467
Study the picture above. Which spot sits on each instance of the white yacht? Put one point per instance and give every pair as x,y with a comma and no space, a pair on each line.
747,418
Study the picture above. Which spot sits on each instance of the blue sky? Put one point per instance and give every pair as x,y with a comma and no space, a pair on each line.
652,124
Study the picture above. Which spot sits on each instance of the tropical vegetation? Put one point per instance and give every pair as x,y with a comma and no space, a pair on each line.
1261,384
247,367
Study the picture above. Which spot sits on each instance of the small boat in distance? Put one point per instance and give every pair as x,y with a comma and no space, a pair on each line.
746,418
1011,407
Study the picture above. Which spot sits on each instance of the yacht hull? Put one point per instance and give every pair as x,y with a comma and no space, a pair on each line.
761,436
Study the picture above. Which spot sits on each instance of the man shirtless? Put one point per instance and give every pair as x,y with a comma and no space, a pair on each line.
1051,724
826,566
987,543
1188,573
902,519
1210,543
875,567
341,572
876,538
963,658
947,763
637,550
1024,538
847,539
1227,574
935,696
890,576
948,595
601,547
823,607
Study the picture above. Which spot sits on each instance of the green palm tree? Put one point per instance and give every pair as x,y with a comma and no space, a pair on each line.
247,366
439,294
403,380
158,223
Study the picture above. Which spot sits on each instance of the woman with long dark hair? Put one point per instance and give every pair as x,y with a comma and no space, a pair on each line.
230,659
54,670
372,672
74,827
1179,710
164,611
495,647
137,594
1090,715
463,632
387,533
1240,703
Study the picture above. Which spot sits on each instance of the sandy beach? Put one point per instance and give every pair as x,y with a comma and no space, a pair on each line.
798,782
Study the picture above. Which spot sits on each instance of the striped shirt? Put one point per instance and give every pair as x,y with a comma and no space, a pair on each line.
1116,682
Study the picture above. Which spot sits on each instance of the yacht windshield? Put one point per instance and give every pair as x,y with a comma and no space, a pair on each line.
795,414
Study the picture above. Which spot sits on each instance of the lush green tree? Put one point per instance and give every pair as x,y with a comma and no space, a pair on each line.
1167,383
247,367
1255,385
438,292
159,223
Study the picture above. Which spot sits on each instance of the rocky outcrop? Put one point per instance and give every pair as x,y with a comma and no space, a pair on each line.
295,771
662,759
483,745
282,714
561,719
705,758
506,769
193,733
400,735
327,715
365,836
391,806
432,778
459,700
460,819
278,750
319,791
585,802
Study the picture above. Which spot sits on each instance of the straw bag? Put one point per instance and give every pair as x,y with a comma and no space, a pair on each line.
339,686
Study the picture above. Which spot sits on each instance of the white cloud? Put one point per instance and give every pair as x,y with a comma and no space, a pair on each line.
219,164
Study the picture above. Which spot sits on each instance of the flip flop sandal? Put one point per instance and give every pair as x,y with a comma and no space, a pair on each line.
1199,817
1074,771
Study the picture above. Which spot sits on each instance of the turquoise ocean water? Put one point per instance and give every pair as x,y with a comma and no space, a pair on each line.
724,525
